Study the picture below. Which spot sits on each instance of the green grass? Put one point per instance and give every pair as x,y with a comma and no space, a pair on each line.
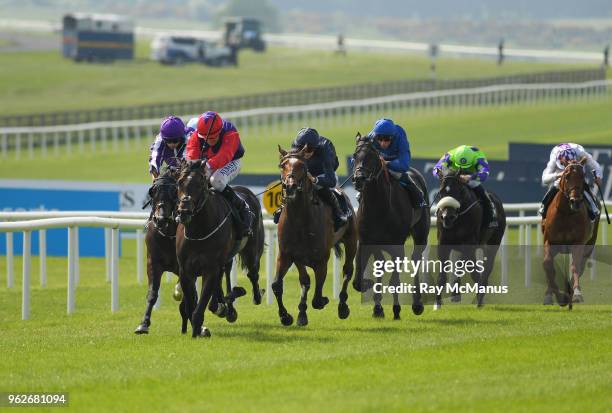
33,82
500,358
431,133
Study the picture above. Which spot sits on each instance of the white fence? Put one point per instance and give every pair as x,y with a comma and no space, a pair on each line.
112,222
50,140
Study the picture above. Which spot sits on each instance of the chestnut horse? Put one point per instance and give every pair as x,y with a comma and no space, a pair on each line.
306,237
386,219
568,229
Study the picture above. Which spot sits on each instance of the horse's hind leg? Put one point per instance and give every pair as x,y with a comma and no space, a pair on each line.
443,255
154,274
251,260
232,314
377,310
282,266
302,319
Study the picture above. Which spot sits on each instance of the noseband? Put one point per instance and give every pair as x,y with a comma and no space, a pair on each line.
566,191
373,175
300,181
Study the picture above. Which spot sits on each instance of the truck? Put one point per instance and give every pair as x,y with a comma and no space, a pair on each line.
244,33
97,37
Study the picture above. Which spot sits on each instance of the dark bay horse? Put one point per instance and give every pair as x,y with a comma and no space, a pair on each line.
462,227
386,219
207,239
161,250
306,237
568,229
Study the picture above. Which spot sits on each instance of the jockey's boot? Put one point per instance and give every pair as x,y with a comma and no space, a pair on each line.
330,199
418,199
244,212
277,214
592,202
550,194
488,204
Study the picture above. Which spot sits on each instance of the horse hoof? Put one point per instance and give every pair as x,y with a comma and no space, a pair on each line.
396,312
417,309
232,315
205,333
238,292
577,298
456,298
548,299
178,293
221,311
378,312
562,299
319,304
286,320
302,320
343,311
141,329
257,296
437,305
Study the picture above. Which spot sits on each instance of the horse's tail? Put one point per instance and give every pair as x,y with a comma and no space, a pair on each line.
338,250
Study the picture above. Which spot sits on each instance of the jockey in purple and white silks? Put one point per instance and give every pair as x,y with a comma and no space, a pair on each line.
169,145
560,156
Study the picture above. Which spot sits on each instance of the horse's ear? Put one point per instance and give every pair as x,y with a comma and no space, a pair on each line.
583,160
281,151
357,137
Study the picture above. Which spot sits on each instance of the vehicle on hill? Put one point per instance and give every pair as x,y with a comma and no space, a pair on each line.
97,37
244,33
176,50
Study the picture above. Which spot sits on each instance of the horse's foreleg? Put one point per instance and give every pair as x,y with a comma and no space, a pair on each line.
210,282
579,258
302,319
232,314
443,255
397,308
282,266
154,274
350,248
189,293
549,267
318,300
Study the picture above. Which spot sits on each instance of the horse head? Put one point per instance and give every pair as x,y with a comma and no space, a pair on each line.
294,173
572,183
452,192
367,164
163,199
193,190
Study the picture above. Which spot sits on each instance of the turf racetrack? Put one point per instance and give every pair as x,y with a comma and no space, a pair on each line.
499,358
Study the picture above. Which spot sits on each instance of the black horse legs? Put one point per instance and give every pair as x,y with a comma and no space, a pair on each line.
282,266
302,319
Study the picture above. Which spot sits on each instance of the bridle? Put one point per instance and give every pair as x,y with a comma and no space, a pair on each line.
374,174
460,211
562,185
300,181
163,182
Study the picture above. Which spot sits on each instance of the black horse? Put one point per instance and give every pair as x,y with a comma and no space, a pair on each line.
462,227
207,240
386,219
161,252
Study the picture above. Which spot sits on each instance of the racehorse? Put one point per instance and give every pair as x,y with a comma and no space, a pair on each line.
306,237
568,229
161,251
386,219
207,240
462,227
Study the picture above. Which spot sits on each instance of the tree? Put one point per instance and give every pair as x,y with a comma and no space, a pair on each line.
259,9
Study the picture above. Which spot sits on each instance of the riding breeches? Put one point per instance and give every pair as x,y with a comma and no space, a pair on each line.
223,176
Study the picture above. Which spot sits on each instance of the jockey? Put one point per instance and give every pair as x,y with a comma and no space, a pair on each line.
559,158
169,145
473,162
322,162
218,141
391,142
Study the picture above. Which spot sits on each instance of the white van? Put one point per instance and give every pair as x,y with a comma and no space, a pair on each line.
170,49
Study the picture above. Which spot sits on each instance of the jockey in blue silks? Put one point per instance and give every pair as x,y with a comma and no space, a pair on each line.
391,142
169,145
